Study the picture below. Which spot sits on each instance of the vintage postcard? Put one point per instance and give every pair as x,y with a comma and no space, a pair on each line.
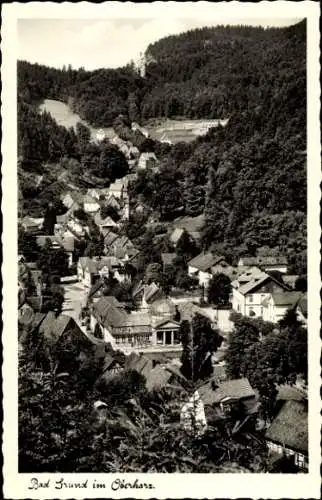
161,173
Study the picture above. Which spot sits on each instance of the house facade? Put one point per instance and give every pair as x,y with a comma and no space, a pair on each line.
201,267
266,263
288,433
248,299
277,304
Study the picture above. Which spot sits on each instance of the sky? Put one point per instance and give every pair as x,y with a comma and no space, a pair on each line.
99,43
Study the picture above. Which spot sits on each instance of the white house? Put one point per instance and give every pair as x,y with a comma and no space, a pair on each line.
200,267
248,299
266,263
277,304
91,205
147,160
288,433
89,270
122,330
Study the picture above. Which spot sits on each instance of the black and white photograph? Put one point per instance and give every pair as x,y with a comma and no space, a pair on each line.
161,246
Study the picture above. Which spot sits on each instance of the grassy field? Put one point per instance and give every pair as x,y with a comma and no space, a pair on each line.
64,116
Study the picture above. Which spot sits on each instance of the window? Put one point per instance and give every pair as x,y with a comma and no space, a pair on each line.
262,311
238,308
299,460
250,298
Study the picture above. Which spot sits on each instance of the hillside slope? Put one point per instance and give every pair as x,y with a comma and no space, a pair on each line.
249,178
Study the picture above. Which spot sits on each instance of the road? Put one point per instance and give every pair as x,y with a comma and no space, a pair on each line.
75,299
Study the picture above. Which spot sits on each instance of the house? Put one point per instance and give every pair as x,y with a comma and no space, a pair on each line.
277,304
31,224
98,193
53,328
166,333
245,275
144,295
269,263
109,239
120,329
119,189
147,160
89,270
288,433
201,265
176,235
248,298
104,224
112,201
133,152
72,199
90,204
167,260
66,244
220,398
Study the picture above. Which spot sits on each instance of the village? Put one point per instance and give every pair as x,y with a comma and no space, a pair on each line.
104,304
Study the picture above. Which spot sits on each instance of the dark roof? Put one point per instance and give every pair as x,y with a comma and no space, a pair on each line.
264,261
47,326
232,389
290,427
157,378
288,392
286,298
141,364
204,261
260,279
62,324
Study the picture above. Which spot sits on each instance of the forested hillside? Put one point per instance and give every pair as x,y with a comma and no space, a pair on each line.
249,178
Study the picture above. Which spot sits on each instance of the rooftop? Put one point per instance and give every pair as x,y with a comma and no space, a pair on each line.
204,261
232,389
290,427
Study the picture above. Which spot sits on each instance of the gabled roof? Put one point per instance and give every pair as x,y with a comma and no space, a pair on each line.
288,392
150,291
290,427
286,298
75,196
62,324
107,221
164,322
110,237
47,326
232,389
157,378
204,261
258,281
107,314
147,156
176,235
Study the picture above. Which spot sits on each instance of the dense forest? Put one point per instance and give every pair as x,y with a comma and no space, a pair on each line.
248,179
